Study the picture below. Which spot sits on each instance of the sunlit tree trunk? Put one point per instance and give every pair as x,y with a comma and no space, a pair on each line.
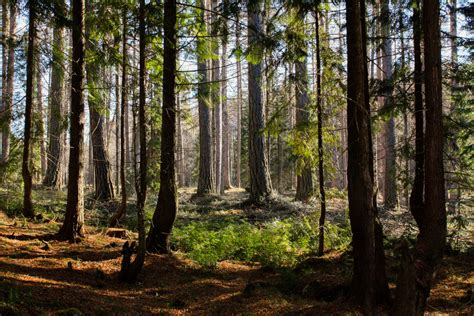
416,277
167,206
225,172
239,106
121,210
8,105
260,183
73,225
206,174
56,99
30,71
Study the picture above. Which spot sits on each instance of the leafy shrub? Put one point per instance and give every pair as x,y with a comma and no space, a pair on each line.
280,243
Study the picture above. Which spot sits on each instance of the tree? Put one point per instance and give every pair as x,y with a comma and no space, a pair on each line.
260,183
304,179
390,186
368,280
30,71
5,25
56,99
322,192
102,173
215,95
416,196
10,72
206,175
239,105
416,277
166,208
73,225
123,138
130,270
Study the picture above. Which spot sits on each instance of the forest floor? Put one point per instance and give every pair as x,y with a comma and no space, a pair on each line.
50,277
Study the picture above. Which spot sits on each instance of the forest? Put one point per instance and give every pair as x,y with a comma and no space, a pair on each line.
249,157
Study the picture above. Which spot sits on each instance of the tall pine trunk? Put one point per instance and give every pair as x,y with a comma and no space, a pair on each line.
167,206
239,106
416,277
304,180
390,185
122,208
225,172
260,183
73,225
30,71
56,98
8,105
206,174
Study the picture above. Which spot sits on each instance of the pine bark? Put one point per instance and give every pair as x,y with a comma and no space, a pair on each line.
30,71
167,206
369,282
390,185
239,107
206,174
73,225
225,172
215,96
416,277
304,179
122,208
56,99
40,128
8,106
260,183
3,121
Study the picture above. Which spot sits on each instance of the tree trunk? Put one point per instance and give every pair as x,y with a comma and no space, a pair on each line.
104,190
239,106
416,196
368,280
215,96
225,172
179,138
8,106
260,183
166,208
3,120
390,185
322,192
40,110
30,71
121,210
117,134
304,180
206,175
56,98
73,226
415,280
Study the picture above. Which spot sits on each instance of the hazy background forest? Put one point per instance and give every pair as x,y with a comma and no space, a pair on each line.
230,156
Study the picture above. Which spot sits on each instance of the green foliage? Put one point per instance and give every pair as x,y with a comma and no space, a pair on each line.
280,243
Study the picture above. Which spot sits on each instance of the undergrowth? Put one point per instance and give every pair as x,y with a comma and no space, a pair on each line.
277,244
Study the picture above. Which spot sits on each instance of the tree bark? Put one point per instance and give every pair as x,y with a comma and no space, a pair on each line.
322,192
225,172
239,107
8,106
215,96
260,183
304,179
166,208
40,110
56,98
416,196
390,184
121,210
30,71
73,225
206,174
369,282
3,107
416,277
